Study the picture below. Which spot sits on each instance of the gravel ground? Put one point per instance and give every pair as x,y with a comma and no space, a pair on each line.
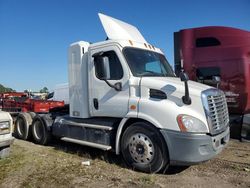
60,165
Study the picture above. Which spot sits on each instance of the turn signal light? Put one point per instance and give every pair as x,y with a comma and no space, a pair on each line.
132,107
131,43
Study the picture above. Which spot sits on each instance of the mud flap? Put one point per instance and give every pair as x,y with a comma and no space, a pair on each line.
245,131
235,126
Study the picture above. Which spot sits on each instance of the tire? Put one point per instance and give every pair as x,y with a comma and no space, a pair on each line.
39,130
22,126
32,114
144,149
4,152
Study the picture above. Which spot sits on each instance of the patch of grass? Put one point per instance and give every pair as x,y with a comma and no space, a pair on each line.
10,164
147,180
31,165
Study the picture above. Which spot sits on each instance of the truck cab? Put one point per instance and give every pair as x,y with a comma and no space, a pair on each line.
6,138
124,97
216,51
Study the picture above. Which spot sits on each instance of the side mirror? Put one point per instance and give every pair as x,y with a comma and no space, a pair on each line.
209,75
186,98
105,68
102,67
183,76
216,79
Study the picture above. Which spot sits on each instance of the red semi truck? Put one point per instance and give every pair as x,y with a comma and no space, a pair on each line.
207,53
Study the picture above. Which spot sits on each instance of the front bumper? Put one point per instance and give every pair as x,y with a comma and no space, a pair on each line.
6,141
190,148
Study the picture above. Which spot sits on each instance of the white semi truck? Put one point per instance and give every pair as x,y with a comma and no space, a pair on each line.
6,138
124,97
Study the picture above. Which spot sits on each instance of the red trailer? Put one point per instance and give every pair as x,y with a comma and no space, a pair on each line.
223,52
23,109
10,95
21,102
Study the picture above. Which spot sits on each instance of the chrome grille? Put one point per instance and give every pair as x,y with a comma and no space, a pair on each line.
215,106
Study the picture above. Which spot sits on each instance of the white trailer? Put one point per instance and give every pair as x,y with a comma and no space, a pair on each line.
124,97
6,138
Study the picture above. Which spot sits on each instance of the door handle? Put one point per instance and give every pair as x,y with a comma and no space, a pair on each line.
96,104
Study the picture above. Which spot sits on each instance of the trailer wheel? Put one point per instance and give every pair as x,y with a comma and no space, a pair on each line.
39,131
144,149
22,128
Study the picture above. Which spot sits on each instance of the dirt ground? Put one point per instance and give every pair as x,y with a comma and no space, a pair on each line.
60,165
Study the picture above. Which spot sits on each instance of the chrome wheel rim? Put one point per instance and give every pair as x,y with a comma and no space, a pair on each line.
38,130
20,127
141,148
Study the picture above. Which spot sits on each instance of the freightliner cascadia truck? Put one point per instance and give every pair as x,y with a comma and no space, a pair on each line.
124,97
6,138
209,52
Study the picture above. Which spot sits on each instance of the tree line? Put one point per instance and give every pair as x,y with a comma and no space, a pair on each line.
7,89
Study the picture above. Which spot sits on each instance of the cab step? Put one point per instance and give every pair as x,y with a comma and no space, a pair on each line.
87,125
86,143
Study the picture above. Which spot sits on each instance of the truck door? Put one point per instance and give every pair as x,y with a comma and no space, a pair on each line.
104,100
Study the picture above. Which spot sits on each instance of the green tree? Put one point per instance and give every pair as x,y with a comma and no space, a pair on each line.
5,89
44,90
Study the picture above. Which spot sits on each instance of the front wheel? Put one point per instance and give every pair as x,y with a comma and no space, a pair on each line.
143,148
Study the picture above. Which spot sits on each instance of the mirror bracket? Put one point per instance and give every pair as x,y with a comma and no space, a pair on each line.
117,86
186,98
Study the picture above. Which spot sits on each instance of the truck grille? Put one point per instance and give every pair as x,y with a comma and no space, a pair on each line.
215,106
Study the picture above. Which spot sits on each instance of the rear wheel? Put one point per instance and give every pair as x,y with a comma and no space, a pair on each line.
39,131
143,148
32,114
22,127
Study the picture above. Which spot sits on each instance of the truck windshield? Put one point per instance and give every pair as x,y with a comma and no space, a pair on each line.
147,63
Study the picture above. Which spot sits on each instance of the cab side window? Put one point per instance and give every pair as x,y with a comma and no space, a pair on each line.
116,71
207,42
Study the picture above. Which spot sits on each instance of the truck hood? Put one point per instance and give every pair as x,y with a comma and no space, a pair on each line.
173,85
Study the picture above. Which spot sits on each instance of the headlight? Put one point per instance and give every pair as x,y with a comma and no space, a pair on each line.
4,127
191,124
